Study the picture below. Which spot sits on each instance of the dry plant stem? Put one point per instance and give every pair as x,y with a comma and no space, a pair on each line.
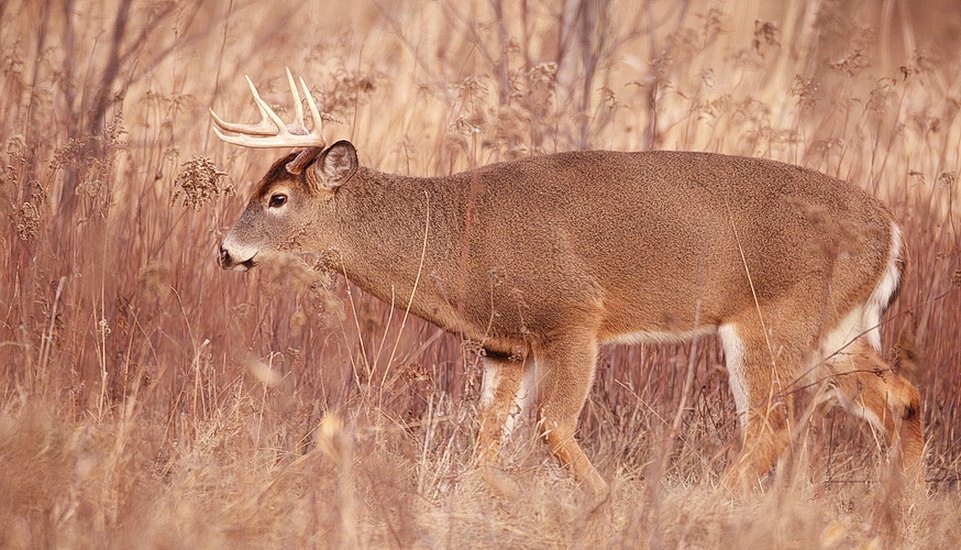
45,342
384,334
102,329
368,365
410,300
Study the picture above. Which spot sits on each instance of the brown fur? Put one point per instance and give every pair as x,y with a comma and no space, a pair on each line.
542,260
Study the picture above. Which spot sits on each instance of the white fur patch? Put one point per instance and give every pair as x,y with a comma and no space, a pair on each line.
885,289
842,335
522,400
654,337
734,351
489,383
239,252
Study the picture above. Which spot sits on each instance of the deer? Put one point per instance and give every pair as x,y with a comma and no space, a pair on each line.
541,260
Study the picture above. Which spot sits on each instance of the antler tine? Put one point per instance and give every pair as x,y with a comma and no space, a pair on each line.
236,140
262,128
314,113
265,110
297,126
271,130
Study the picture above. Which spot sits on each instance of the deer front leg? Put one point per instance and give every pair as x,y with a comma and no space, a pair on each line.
500,405
567,367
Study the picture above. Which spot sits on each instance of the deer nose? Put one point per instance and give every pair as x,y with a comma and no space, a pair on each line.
225,260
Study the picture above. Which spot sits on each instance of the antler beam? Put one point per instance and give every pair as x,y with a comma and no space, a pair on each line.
271,130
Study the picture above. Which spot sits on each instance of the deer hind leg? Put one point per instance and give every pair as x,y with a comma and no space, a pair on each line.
567,373
868,388
764,410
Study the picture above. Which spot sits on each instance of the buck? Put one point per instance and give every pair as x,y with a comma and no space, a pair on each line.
542,260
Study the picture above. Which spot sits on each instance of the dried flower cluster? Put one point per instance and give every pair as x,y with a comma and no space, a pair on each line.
28,223
199,182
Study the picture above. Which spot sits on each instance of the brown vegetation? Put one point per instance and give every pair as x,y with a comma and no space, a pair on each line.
147,398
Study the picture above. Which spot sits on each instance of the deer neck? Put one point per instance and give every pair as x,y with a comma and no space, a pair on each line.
391,231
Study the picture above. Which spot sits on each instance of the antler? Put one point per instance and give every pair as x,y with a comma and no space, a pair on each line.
271,130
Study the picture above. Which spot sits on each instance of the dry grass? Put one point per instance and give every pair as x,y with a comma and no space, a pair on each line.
149,399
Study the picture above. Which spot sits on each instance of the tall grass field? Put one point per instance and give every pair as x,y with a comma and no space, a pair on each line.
149,399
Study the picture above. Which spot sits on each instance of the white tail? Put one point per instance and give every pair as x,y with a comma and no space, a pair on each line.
542,260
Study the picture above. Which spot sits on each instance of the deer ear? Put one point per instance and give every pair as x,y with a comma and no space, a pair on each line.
334,166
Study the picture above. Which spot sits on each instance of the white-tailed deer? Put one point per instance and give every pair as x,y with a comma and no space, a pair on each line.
541,260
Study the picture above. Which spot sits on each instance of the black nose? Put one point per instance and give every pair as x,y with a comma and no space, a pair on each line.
225,260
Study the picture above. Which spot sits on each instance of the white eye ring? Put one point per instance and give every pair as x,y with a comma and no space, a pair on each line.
277,200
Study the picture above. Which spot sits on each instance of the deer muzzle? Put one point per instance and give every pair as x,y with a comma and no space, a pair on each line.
232,262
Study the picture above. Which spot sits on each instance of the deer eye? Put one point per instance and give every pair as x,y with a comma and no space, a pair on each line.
278,200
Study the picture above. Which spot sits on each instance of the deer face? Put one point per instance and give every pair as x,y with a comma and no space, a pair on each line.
289,208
